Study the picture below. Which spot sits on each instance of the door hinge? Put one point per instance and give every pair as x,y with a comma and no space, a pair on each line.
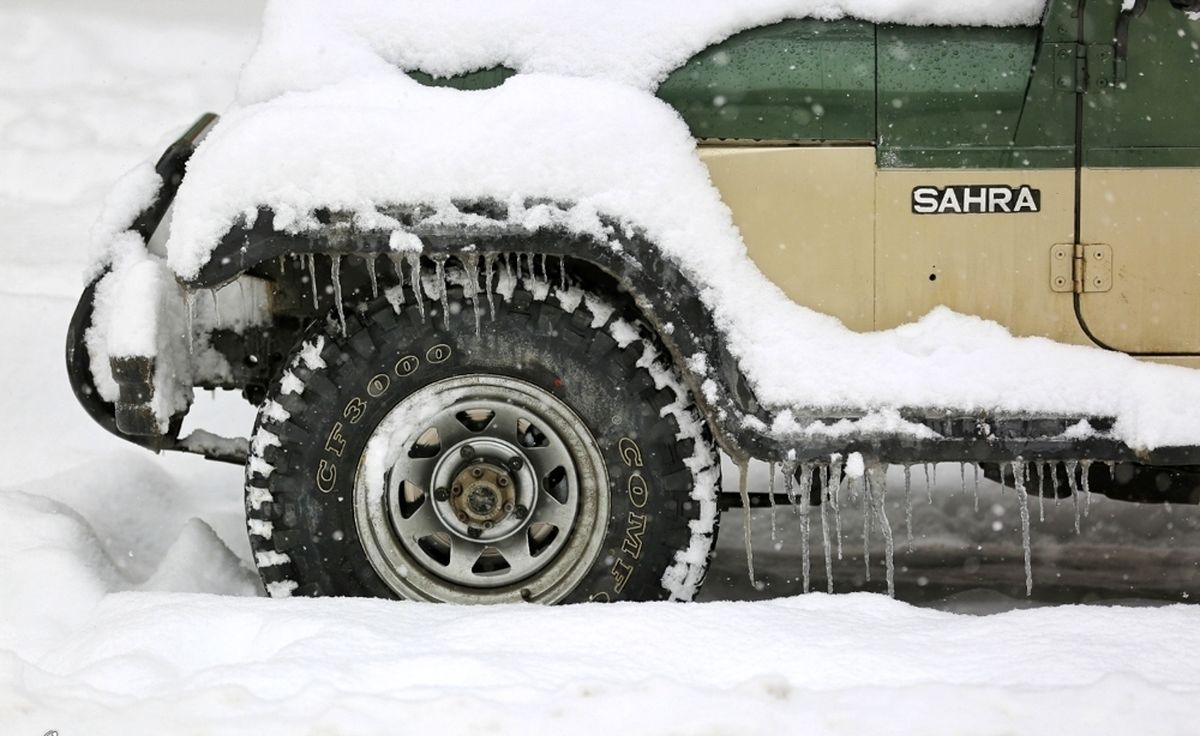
1081,269
1070,67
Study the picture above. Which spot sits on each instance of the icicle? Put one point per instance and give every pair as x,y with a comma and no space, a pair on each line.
826,499
805,494
929,482
962,477
471,264
414,267
833,479
489,261
282,260
371,274
216,306
1047,475
743,472
1112,469
1020,471
189,298
863,488
789,489
398,266
908,506
771,498
562,273
876,482
439,264
335,275
312,277
1085,467
977,474
1071,468
243,303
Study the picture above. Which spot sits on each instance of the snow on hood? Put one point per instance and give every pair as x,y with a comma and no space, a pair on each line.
308,44
613,148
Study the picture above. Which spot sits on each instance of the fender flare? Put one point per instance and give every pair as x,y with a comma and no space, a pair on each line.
666,298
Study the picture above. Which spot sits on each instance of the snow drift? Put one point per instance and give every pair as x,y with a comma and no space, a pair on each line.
91,655
85,649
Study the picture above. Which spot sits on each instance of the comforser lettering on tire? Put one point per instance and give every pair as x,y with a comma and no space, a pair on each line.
635,523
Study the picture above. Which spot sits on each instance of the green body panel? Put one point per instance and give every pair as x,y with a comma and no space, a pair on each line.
954,96
1047,122
936,97
979,97
800,80
1150,115
482,79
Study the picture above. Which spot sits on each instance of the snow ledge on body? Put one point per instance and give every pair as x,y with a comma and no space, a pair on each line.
631,42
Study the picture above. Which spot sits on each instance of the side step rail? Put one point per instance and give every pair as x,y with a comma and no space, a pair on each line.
973,438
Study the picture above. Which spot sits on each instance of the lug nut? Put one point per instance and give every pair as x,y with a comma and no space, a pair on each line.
515,463
521,511
508,507
502,481
476,472
456,490
488,525
462,517
467,451
441,494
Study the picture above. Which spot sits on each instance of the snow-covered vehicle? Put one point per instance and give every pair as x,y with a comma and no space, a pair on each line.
500,308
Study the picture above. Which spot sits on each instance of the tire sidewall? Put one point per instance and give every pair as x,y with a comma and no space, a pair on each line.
536,342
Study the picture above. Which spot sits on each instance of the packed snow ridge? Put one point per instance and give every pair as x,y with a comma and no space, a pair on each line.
582,126
632,42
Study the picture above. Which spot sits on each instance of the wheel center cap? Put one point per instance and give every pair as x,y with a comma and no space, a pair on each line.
483,500
485,489
484,492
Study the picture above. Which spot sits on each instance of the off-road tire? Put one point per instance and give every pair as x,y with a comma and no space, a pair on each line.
305,538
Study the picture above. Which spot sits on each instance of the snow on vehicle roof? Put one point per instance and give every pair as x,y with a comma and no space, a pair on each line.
373,137
307,44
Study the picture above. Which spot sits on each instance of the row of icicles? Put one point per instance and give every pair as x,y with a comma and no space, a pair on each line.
865,481
495,266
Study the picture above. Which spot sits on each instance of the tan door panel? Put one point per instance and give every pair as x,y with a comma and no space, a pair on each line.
994,265
1151,220
806,215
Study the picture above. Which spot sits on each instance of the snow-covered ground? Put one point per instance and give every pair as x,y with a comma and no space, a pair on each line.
127,604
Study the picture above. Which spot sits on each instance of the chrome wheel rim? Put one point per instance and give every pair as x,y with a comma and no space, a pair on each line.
481,488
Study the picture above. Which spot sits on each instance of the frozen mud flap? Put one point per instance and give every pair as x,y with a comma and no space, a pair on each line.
135,413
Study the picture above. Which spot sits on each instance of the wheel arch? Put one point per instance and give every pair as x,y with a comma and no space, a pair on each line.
624,261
